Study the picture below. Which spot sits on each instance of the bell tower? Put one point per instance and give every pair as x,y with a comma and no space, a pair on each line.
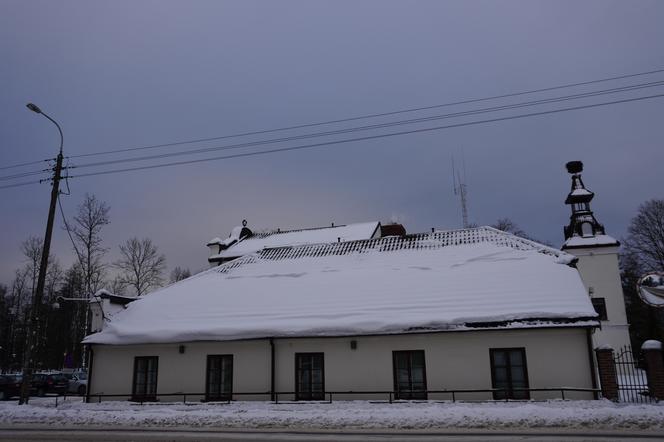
597,263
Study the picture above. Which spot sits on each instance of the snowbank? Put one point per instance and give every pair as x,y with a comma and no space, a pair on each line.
348,415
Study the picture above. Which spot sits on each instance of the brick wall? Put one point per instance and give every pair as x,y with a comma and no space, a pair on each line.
607,373
652,354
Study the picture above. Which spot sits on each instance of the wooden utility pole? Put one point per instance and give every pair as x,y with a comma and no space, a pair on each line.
33,319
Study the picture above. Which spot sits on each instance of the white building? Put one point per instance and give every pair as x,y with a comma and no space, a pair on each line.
366,307
357,308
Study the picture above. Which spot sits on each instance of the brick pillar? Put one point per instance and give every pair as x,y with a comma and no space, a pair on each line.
607,373
652,353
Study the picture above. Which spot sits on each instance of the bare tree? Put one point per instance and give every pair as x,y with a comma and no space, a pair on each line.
54,277
118,285
32,250
19,291
178,274
507,225
91,217
645,236
141,265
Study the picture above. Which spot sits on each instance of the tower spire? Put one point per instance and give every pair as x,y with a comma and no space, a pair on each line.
582,222
583,227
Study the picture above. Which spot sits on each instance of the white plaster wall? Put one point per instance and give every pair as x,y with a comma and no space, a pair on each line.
454,360
599,269
113,367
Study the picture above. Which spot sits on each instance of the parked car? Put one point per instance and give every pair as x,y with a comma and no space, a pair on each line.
78,383
10,386
43,383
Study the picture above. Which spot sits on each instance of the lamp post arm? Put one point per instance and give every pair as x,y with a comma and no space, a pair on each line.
59,130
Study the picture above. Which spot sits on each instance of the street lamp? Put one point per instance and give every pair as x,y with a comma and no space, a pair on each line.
34,108
33,319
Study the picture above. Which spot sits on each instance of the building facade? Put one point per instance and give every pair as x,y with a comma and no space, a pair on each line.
308,368
470,309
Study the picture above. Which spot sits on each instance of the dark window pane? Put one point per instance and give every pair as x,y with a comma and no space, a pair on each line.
599,304
145,377
309,376
515,357
500,375
219,377
499,358
508,371
518,375
409,374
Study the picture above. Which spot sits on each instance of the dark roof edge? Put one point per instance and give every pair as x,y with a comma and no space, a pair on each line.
594,246
546,324
116,299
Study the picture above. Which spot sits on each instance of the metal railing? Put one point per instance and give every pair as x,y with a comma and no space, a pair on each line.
631,377
389,396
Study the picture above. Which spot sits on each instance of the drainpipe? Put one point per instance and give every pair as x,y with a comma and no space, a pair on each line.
272,396
90,361
591,360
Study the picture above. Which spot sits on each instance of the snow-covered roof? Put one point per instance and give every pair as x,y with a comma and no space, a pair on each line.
590,241
259,241
112,297
445,280
581,192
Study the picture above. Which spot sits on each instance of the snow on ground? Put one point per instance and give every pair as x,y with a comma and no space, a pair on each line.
600,414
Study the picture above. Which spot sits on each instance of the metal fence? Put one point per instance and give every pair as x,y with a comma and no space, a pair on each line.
385,396
632,378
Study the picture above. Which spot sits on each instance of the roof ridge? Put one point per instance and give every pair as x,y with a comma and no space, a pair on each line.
267,233
543,247
414,241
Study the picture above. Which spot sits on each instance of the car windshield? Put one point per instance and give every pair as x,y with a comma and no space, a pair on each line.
82,377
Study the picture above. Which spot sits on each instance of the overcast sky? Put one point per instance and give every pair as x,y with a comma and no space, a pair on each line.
120,74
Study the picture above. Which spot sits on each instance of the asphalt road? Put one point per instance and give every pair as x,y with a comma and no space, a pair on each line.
165,435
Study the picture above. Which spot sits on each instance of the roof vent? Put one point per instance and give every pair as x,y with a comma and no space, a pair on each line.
245,232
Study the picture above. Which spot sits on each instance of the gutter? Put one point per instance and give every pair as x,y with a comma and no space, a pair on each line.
272,364
591,362
90,361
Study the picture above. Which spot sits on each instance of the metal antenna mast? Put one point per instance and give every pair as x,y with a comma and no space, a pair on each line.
461,189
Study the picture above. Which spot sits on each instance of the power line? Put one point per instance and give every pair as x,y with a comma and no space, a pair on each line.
7,186
64,220
370,137
374,126
22,175
29,163
375,115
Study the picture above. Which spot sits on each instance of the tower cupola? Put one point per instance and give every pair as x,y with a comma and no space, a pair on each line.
582,222
583,227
